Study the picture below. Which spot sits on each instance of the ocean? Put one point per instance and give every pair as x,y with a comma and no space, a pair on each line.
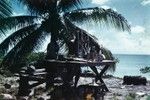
131,65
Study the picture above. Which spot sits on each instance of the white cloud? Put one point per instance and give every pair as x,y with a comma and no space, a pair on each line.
138,29
122,42
145,2
17,14
25,7
107,7
100,2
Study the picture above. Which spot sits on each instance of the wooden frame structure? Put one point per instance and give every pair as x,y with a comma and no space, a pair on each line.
43,77
67,64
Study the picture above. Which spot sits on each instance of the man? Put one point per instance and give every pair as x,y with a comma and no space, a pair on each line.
52,50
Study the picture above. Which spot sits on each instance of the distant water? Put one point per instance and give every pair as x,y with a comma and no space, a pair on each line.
131,64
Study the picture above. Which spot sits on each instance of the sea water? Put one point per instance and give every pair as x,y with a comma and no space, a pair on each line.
131,65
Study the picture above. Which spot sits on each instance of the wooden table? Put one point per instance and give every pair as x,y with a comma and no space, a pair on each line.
82,63
50,69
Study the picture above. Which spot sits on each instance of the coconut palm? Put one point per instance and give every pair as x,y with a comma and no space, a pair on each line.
5,8
55,18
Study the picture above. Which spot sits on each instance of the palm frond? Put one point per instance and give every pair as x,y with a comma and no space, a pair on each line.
82,34
43,6
23,48
16,22
39,6
103,16
109,56
90,41
5,8
67,4
15,37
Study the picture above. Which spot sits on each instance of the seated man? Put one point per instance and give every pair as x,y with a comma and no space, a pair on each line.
52,50
100,56
92,55
95,55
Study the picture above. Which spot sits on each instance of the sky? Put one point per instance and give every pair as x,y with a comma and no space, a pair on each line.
137,13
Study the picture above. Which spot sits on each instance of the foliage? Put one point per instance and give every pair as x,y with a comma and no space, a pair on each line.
145,70
5,8
109,56
35,57
55,18
5,73
131,96
115,96
148,98
1,97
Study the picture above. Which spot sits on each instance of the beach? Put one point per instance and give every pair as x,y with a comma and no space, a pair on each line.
128,65
117,91
64,49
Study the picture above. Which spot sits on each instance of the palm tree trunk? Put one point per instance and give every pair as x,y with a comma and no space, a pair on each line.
53,26
52,48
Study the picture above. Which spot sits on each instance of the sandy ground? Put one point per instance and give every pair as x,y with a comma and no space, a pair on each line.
117,90
121,92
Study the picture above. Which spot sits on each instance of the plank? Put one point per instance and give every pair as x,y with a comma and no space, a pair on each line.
77,63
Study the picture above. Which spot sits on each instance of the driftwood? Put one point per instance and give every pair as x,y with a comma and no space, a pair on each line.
135,80
96,92
27,75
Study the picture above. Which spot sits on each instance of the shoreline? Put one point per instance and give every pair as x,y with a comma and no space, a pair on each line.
114,84
120,91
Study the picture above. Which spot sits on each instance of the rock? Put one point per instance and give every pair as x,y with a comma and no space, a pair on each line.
32,92
22,98
30,69
141,94
6,96
135,80
122,87
7,86
40,98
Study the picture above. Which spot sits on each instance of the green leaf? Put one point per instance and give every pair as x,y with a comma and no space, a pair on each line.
15,37
5,8
44,6
145,70
109,56
23,49
108,17
65,5
92,41
16,22
75,31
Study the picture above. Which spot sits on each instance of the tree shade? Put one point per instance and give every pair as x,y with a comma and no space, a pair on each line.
55,18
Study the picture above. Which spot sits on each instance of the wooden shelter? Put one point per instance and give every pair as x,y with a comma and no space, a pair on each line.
84,51
66,70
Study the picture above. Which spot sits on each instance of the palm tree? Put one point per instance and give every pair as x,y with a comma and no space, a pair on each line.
55,18
5,9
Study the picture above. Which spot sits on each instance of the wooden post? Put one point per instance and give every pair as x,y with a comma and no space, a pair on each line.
99,76
24,87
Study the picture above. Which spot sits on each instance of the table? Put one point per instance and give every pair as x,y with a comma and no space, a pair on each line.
79,64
